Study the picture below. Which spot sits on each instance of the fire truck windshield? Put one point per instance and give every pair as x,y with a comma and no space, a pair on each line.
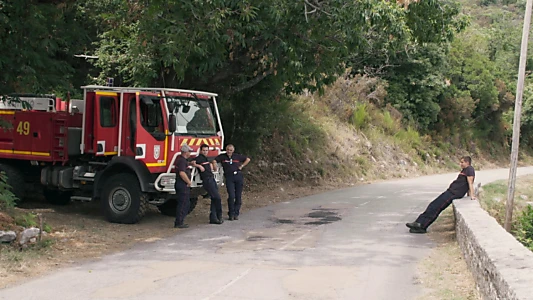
194,117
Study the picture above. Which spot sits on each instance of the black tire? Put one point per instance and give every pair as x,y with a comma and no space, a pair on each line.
57,197
122,200
15,178
169,207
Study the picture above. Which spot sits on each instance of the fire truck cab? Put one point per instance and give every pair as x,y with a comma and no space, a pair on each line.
118,145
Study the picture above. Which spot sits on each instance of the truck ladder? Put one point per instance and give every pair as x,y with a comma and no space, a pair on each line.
59,144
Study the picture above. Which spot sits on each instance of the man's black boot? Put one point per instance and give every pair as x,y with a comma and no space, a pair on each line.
413,225
235,217
417,230
181,226
217,221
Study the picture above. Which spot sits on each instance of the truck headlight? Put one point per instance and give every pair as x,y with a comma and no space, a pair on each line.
167,181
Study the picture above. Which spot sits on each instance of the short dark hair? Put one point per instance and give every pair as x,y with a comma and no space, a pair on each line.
467,159
204,146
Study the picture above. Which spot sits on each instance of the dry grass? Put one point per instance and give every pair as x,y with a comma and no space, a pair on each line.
444,272
493,198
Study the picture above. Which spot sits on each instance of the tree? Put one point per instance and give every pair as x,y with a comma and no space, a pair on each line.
231,46
39,40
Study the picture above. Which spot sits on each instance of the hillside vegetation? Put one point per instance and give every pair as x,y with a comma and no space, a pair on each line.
342,136
312,90
414,115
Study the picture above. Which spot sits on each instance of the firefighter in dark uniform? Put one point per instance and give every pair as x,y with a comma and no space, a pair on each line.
232,163
209,184
182,186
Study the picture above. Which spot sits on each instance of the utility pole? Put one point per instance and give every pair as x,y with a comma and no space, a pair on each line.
517,115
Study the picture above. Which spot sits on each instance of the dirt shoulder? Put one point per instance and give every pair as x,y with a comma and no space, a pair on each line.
444,272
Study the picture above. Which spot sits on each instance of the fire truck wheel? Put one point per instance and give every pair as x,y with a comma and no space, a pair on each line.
57,197
169,208
122,199
15,179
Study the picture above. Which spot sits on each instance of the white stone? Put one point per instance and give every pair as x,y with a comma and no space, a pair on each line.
7,236
28,234
262,164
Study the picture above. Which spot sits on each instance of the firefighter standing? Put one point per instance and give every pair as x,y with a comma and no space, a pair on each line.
209,184
182,186
232,163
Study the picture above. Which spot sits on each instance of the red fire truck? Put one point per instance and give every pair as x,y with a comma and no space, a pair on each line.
118,145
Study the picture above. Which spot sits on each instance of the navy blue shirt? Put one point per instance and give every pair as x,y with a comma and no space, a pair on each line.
231,165
202,160
182,165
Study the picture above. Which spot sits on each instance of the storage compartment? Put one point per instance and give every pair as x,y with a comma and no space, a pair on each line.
74,141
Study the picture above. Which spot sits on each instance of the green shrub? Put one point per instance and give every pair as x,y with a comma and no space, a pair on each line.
26,220
389,124
410,137
360,116
295,148
7,198
524,227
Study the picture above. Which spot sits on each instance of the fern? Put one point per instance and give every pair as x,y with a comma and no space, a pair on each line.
7,198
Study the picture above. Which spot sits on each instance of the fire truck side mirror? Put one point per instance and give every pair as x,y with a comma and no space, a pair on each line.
172,124
171,106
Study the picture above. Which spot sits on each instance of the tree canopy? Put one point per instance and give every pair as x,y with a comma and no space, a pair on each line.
433,57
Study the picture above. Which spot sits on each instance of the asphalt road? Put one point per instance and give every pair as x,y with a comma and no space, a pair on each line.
347,244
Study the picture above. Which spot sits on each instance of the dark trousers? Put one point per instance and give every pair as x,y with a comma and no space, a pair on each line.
182,209
234,183
435,208
210,185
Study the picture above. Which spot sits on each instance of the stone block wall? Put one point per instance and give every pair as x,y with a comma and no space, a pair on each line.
502,266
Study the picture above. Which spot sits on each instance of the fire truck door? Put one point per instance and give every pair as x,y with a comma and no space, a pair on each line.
106,123
151,139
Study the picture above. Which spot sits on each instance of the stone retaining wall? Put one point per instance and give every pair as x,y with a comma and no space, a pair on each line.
502,267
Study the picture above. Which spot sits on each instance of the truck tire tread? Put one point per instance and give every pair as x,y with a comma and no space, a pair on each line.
138,206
